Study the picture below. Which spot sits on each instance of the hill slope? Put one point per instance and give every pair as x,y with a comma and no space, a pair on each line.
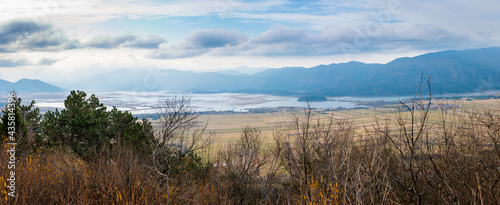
451,72
28,86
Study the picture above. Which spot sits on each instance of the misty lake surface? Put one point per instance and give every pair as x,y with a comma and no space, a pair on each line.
144,102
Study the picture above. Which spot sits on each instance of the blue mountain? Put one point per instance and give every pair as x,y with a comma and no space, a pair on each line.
450,72
28,86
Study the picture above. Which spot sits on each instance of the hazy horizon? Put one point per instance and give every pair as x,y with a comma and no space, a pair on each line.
245,69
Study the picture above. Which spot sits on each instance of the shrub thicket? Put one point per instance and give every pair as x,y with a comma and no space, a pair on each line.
404,158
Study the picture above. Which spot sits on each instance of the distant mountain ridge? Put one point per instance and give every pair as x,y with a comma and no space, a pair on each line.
28,86
451,72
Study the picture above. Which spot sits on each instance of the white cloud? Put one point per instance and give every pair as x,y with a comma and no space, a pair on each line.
201,41
149,42
212,38
74,38
26,35
108,42
13,62
295,41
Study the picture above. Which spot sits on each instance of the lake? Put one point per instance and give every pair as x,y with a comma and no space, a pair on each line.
144,102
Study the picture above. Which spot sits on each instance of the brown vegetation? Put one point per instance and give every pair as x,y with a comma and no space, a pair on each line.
402,159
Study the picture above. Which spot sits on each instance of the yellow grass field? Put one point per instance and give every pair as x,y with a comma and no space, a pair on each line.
228,126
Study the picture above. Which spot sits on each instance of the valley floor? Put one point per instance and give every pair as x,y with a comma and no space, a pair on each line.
228,126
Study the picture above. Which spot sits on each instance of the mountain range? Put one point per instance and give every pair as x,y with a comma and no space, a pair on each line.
451,71
27,86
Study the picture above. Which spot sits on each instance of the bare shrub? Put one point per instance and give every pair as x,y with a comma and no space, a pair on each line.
178,136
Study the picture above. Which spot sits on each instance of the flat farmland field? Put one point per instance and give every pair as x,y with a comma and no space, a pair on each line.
228,126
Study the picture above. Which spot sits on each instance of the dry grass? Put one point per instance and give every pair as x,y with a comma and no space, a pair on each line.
55,177
461,166
228,126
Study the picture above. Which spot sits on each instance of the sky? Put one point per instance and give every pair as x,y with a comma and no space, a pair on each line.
63,40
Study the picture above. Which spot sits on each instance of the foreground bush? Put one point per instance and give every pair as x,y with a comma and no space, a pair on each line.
403,159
